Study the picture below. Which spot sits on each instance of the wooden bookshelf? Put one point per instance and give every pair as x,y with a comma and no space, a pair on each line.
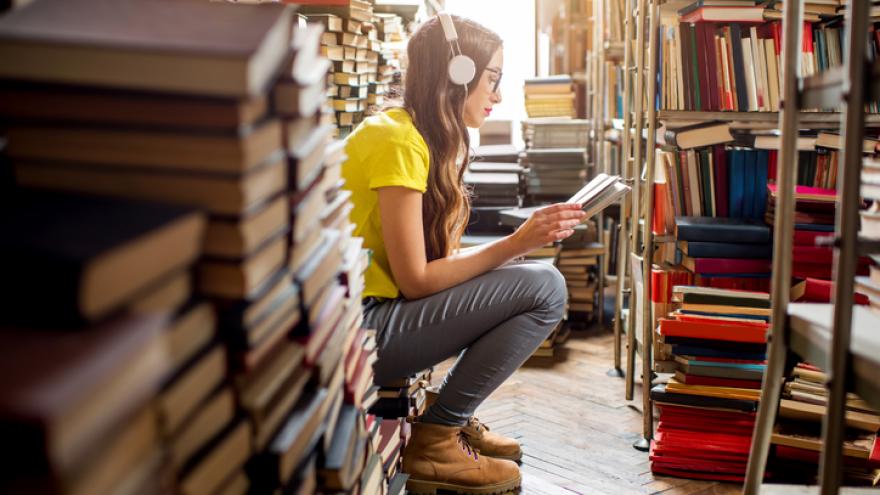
838,337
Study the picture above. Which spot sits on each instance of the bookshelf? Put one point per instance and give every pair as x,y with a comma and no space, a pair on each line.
838,337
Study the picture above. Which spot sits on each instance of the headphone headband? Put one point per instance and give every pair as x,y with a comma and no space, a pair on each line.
462,68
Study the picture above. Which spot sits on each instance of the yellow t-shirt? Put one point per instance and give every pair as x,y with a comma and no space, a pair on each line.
385,150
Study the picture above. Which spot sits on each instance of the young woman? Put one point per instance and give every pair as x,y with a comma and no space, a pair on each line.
429,300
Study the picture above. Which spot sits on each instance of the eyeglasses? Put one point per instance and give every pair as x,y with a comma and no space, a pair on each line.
497,82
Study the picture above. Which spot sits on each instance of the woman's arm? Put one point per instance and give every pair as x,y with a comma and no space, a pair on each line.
400,210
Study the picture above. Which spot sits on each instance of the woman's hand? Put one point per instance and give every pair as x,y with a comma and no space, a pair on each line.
549,224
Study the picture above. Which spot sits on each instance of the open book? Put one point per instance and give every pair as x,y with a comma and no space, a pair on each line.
600,193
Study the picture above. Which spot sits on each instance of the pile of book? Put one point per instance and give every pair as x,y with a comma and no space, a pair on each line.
109,362
717,337
552,96
503,153
578,262
403,398
797,436
730,253
354,66
870,285
495,186
553,174
278,263
555,132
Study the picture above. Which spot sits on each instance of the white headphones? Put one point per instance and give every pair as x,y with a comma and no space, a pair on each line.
462,68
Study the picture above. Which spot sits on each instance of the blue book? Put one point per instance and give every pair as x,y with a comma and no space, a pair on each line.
814,227
688,350
749,171
735,176
762,162
697,249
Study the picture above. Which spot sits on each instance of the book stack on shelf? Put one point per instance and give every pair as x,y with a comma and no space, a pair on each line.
387,439
278,263
717,338
796,437
552,96
578,262
108,359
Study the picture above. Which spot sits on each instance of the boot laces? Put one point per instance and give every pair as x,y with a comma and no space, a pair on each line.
466,445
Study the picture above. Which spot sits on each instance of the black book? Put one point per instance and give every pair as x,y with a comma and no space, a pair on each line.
387,407
659,394
739,69
741,347
698,249
76,259
721,229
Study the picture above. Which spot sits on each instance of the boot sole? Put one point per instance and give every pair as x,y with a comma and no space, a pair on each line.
515,458
419,487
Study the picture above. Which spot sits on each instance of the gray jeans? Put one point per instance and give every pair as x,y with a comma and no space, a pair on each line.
494,322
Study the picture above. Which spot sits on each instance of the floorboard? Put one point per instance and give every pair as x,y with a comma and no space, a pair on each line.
576,427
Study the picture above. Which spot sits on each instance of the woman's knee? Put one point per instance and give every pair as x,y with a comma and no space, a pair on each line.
549,286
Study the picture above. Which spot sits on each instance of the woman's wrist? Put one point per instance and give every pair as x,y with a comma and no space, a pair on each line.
514,246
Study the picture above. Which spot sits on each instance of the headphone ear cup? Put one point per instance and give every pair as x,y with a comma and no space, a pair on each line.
462,69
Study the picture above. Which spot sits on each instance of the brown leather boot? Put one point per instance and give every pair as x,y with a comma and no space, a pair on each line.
491,444
439,457
488,443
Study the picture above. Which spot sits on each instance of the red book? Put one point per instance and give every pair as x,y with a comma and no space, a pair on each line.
717,382
706,77
819,291
727,265
724,14
812,254
771,166
727,331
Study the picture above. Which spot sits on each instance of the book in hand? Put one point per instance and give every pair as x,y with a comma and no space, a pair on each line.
599,193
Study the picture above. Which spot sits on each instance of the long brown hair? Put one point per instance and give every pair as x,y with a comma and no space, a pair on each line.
436,105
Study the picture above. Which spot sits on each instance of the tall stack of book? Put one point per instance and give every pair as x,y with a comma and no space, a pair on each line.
344,43
797,441
277,235
717,338
578,262
392,55
107,362
552,96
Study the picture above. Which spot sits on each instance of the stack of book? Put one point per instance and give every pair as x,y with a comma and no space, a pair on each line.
404,397
552,96
494,187
278,259
578,262
726,252
553,174
345,44
717,338
504,153
392,60
797,435
555,132
108,363
870,285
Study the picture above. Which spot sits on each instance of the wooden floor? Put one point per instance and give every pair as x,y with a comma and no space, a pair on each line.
575,426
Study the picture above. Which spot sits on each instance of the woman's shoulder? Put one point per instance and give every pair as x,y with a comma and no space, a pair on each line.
394,125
